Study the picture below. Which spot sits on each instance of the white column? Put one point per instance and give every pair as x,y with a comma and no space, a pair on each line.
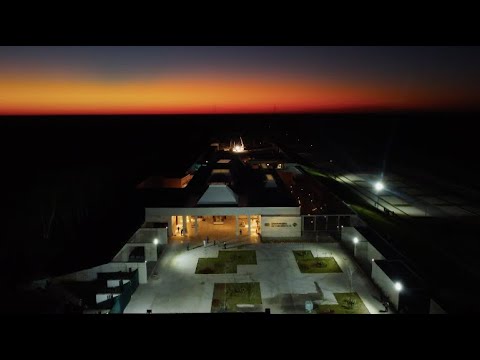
249,225
170,226
185,224
236,225
196,225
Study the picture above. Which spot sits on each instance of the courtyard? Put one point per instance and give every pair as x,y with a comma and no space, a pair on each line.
175,287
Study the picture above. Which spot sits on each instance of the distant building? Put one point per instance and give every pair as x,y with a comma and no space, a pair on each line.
242,192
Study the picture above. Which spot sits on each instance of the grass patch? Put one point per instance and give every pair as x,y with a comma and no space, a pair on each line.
379,221
226,296
226,262
303,255
314,172
240,257
307,263
214,266
348,303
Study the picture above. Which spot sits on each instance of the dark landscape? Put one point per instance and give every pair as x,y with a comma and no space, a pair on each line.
85,169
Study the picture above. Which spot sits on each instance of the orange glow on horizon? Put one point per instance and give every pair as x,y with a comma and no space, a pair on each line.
62,94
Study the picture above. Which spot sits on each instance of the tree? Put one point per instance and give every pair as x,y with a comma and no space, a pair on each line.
349,272
48,218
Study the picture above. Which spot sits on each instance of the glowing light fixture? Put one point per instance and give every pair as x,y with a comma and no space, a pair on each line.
398,286
355,240
379,186
238,147
155,241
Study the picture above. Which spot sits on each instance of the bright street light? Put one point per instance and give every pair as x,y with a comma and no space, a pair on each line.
398,286
379,186
155,241
355,242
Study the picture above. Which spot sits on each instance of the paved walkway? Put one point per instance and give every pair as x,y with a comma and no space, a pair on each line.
284,289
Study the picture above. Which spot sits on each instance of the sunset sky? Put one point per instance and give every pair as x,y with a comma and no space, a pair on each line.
159,80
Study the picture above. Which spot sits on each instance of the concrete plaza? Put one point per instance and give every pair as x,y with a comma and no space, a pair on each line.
175,288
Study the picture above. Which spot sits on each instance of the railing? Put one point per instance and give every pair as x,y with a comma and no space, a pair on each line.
121,302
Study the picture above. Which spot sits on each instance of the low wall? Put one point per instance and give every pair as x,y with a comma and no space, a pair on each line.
91,274
147,235
151,253
348,233
115,283
374,254
144,237
103,297
385,284
364,252
121,302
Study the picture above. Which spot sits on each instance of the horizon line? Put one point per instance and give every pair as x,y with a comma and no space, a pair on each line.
326,112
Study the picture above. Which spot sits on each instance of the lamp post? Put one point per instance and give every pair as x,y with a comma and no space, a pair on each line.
378,187
355,242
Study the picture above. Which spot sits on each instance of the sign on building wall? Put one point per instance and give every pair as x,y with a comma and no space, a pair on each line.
281,226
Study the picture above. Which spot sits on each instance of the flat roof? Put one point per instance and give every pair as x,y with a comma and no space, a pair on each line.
396,270
143,237
265,155
154,225
156,182
247,184
327,203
